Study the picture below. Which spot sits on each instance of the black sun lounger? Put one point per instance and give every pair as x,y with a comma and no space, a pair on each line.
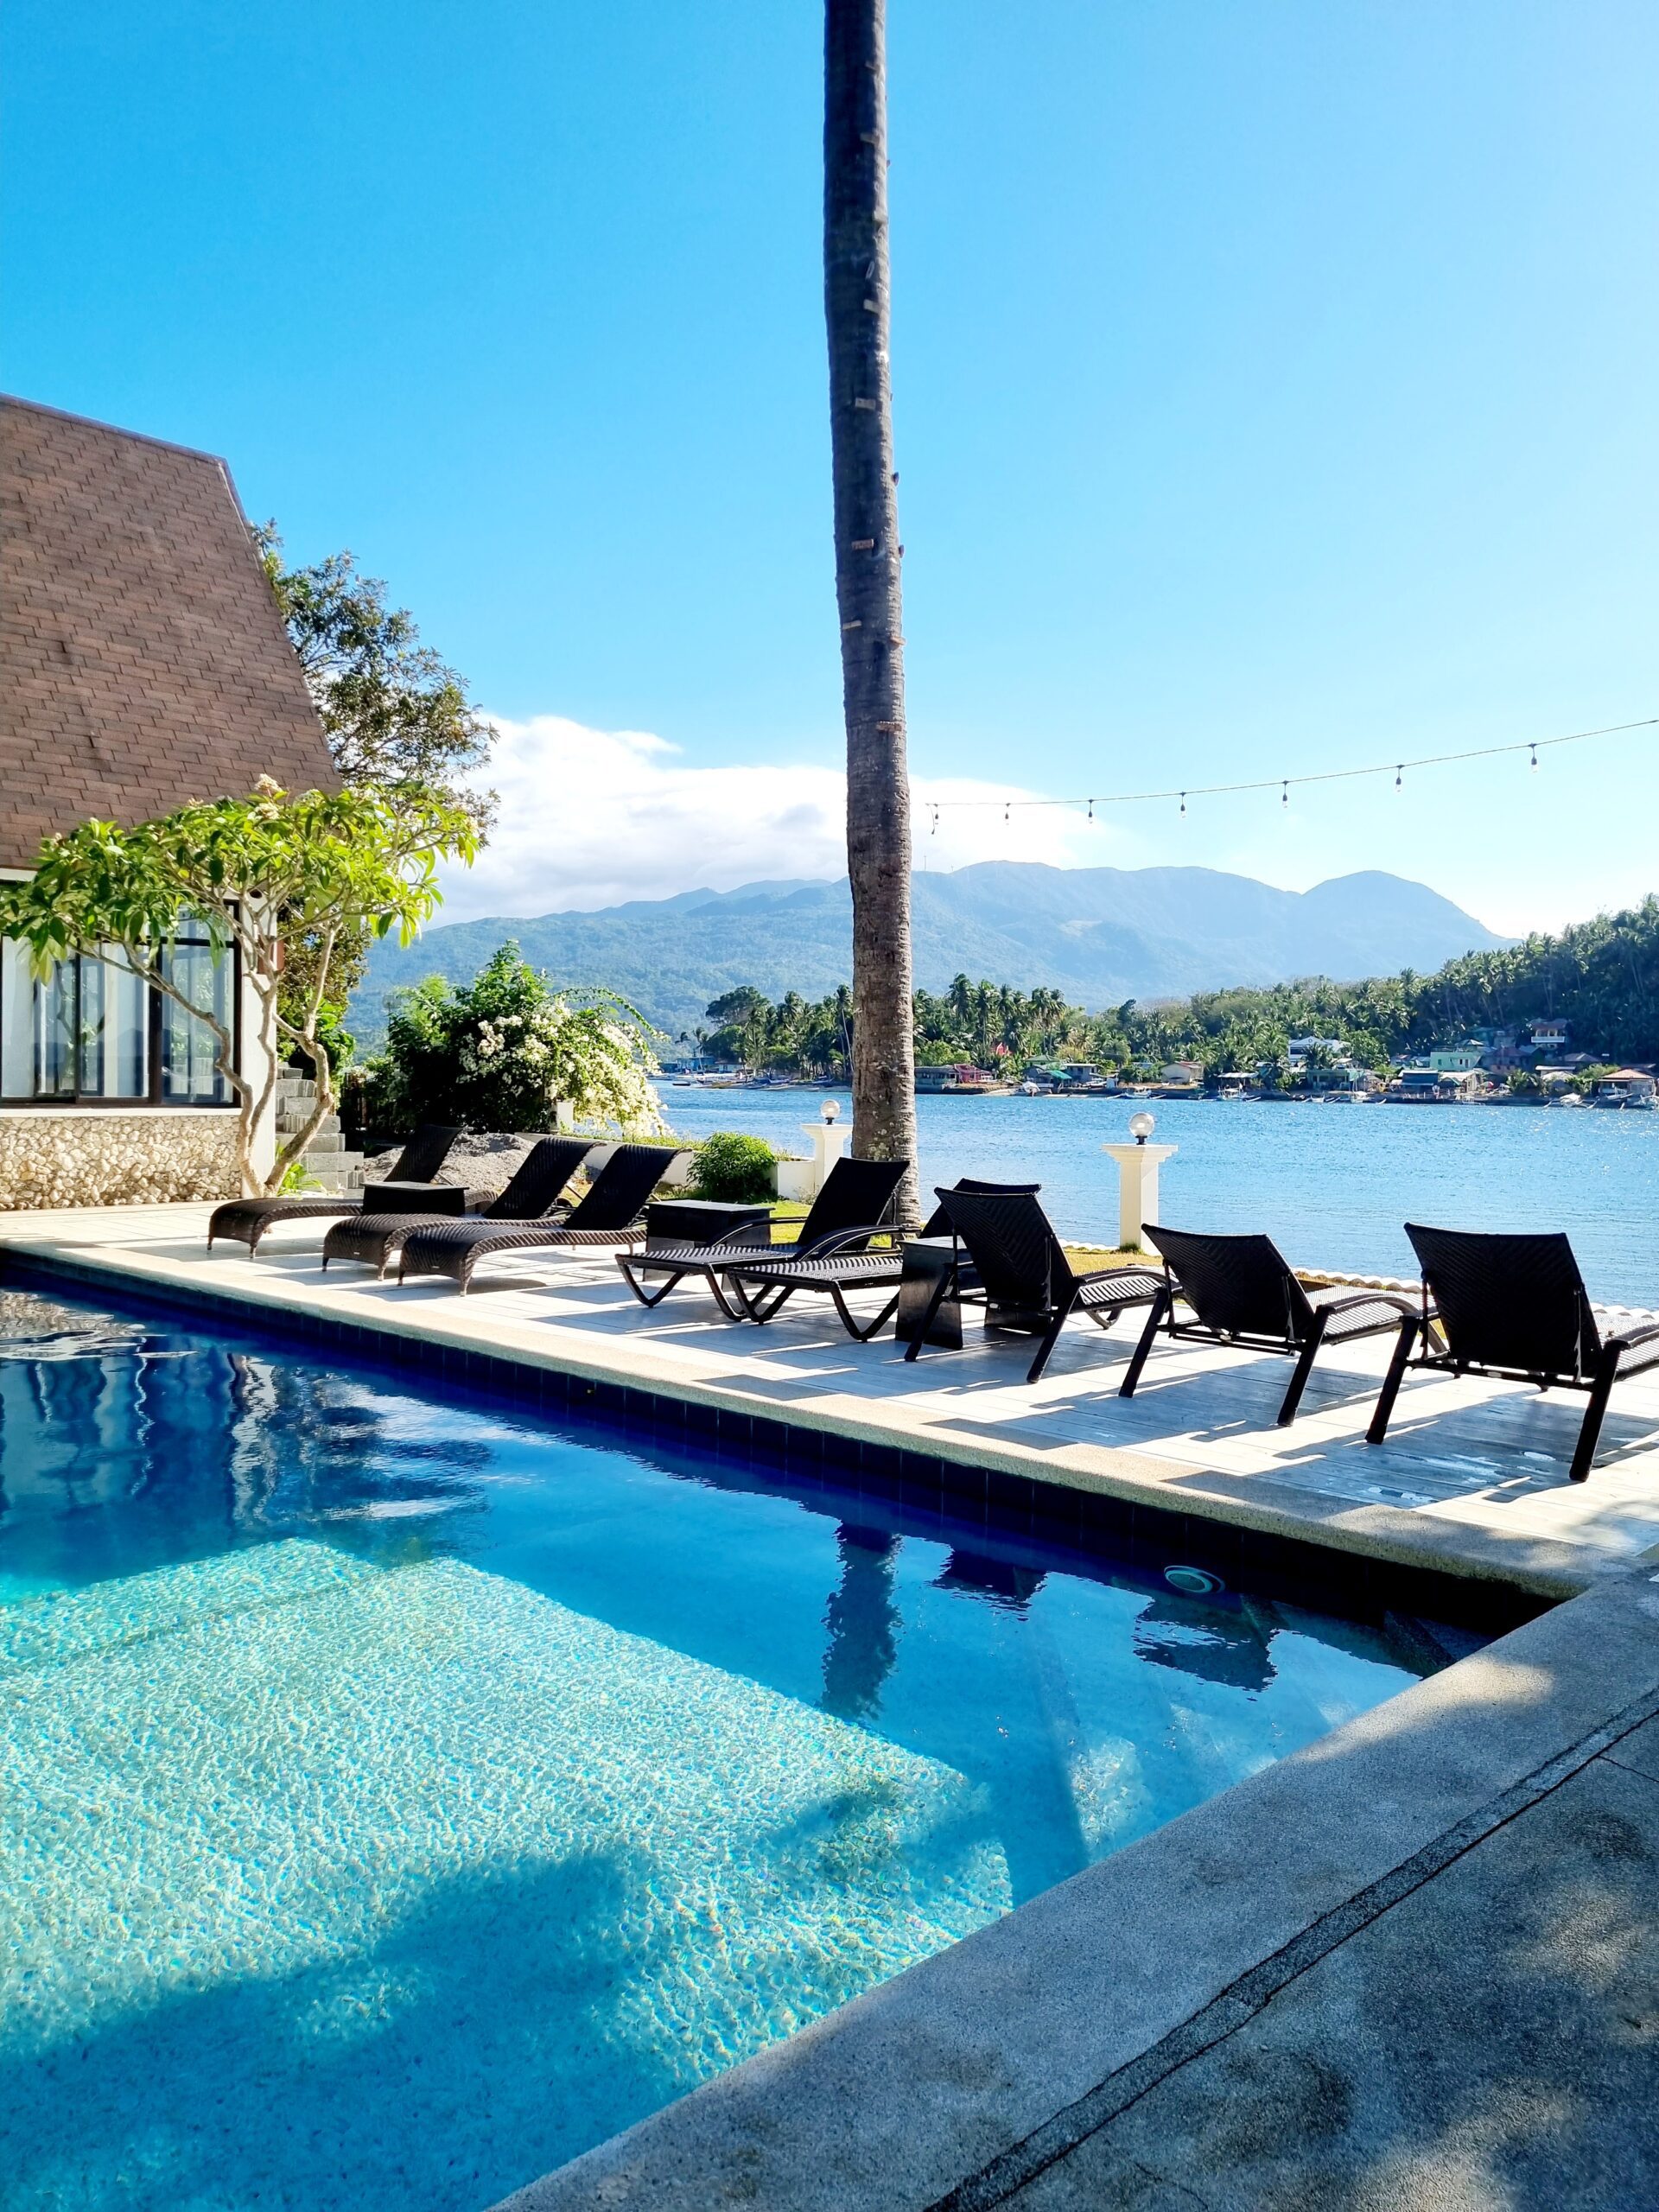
1028,1284
1242,1290
374,1240
245,1220
1515,1308
610,1211
847,1212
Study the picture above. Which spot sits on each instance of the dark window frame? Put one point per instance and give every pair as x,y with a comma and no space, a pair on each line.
76,1100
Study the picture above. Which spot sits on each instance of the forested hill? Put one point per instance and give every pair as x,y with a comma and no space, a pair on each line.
1098,936
1601,977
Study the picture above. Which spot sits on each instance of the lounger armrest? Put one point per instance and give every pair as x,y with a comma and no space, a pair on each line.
1628,1339
825,1248
1408,1308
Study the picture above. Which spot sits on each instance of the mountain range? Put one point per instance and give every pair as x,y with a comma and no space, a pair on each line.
1101,935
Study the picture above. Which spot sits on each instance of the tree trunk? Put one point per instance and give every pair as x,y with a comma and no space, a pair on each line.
855,297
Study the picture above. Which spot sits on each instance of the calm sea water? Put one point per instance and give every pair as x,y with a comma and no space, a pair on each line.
1332,1184
400,1792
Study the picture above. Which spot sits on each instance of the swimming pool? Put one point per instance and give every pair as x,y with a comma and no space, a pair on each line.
401,1792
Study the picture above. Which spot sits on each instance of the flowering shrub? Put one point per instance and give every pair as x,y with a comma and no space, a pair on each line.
500,1052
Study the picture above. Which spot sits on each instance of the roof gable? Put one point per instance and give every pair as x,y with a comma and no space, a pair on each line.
144,663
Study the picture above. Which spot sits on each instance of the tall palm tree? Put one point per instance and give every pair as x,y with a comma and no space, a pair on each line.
855,302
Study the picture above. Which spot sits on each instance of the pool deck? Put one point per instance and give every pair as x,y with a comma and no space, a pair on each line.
1414,1968
1472,1479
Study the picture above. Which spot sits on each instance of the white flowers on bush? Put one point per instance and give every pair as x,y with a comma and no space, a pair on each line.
502,1051
576,1053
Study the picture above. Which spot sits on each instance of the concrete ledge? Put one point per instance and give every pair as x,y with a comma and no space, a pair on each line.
634,1362
955,2084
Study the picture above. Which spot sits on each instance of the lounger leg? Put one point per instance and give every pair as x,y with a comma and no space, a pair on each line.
649,1299
1392,1380
929,1313
1594,1414
739,1311
849,1320
757,1309
1160,1309
1310,1352
1045,1349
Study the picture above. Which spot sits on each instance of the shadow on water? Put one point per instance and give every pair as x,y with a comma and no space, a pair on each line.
503,2024
494,2031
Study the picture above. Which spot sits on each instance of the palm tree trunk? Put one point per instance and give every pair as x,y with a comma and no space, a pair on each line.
855,300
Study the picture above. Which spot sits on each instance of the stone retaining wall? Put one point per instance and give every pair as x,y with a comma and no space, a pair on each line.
101,1156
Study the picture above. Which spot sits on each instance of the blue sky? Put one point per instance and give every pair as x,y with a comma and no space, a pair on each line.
1275,391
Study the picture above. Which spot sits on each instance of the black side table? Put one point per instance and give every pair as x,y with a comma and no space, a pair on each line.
706,1221
445,1198
927,1258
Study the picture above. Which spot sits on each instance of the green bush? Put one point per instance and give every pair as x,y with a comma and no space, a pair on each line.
497,1052
735,1168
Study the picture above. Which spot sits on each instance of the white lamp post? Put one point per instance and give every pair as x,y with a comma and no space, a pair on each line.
828,1143
1137,1178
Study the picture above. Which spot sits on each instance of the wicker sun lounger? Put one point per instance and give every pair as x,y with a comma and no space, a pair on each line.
856,1193
610,1212
1028,1284
1515,1308
374,1240
1242,1290
245,1221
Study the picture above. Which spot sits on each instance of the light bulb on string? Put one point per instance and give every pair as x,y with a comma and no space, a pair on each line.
1183,802
1399,777
1091,810
1534,756
1284,792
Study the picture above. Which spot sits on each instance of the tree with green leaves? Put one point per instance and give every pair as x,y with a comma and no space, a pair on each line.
393,711
259,873
394,715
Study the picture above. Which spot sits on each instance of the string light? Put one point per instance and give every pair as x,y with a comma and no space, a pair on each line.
1183,802
1531,746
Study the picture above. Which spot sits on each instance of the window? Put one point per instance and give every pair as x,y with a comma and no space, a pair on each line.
94,1032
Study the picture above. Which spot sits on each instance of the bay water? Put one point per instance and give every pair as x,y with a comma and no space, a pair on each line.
1333,1186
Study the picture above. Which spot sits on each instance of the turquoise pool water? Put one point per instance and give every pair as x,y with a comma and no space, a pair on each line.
400,1793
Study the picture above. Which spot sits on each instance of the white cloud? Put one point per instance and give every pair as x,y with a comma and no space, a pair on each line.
594,817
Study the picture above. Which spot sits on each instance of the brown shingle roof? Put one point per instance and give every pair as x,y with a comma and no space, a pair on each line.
144,663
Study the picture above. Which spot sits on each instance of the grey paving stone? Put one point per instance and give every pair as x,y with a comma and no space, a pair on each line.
1640,1749
1492,2044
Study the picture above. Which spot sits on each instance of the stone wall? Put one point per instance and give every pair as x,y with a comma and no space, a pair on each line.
100,1156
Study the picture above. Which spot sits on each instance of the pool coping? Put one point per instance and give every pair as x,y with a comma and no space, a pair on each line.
958,2083
1434,1567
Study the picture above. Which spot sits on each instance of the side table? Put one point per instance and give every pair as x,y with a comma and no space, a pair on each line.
706,1221
927,1259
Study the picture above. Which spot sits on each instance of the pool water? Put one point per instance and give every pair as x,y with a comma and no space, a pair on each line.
400,1793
